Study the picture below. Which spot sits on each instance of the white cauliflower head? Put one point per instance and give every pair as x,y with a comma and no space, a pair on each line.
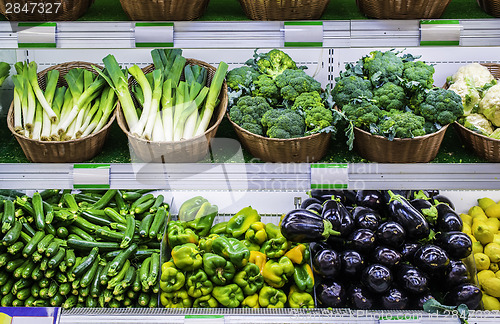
489,106
477,73
470,96
478,123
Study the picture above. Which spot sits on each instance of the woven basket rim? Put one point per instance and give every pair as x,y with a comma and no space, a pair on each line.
124,127
10,113
397,139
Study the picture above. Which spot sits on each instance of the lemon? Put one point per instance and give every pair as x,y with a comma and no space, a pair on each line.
496,238
490,303
484,274
466,229
492,286
482,218
466,219
472,238
476,211
497,274
494,267
477,247
493,223
492,250
483,233
493,211
485,202
482,261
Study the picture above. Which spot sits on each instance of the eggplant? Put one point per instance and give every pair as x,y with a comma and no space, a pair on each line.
417,194
466,293
409,217
315,247
457,244
340,218
408,251
432,259
448,220
345,196
337,243
386,256
309,201
360,297
394,299
377,278
373,199
301,225
419,301
391,234
411,279
352,263
327,263
315,208
365,217
457,273
426,209
362,240
444,200
331,294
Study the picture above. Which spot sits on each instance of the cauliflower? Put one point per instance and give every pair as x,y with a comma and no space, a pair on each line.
478,74
479,124
470,95
489,106
496,134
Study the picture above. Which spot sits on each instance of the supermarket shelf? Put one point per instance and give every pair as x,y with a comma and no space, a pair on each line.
258,176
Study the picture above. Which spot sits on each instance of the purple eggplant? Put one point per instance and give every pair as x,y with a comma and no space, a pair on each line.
360,297
309,201
362,240
327,263
401,211
340,218
411,279
457,273
365,217
391,234
301,225
331,294
448,220
315,247
427,209
466,293
408,251
377,278
419,301
386,256
315,208
432,259
345,196
394,299
352,263
443,199
373,199
457,244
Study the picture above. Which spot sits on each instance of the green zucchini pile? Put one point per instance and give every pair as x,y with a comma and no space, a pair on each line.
86,249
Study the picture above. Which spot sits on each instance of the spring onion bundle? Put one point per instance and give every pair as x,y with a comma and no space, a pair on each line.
171,109
60,113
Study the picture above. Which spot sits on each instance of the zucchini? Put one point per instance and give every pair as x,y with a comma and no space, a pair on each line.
65,289
105,199
141,200
18,272
44,293
30,301
114,304
12,265
13,234
57,258
157,204
50,229
127,302
37,257
86,263
28,229
90,274
108,234
48,193
129,232
144,273
35,290
154,269
61,277
85,198
74,237
44,283
62,232
25,205
50,273
53,248
153,302
143,299
80,232
15,248
70,257
131,195
23,294
131,293
17,302
37,273
91,302
63,267
39,216
95,284
57,300
136,285
7,300
120,203
4,277
28,269
8,217
114,215
144,206
128,279
119,297
4,258
69,200
119,277
32,244
108,295
85,225
84,292
53,289
117,264
49,212
103,277
92,217
118,226
159,220
7,287
75,285
70,302
44,243
145,225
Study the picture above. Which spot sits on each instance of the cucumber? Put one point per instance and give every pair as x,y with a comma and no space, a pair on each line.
39,216
32,244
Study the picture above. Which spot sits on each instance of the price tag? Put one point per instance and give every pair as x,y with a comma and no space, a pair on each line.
41,35
329,176
440,32
29,315
204,319
154,34
91,176
303,33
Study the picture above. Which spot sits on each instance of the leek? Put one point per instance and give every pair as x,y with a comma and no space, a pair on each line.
18,105
158,133
107,105
32,77
167,101
37,127
148,96
155,104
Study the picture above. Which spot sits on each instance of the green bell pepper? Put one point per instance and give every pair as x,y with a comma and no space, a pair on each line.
256,233
249,279
276,273
204,218
251,301
189,209
187,257
273,231
300,299
304,277
218,269
229,296
176,299
198,285
241,221
207,301
205,243
251,246
275,248
171,278
231,249
219,228
178,235
270,297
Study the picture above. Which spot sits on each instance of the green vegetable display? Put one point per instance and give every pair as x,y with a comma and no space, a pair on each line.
4,71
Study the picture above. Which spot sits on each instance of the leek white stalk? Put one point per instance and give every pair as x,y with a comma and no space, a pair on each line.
158,133
167,112
155,104
92,127
88,118
46,126
38,92
18,94
37,127
141,79
107,105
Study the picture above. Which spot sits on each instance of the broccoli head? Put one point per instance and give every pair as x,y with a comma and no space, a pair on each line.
382,67
275,62
318,118
241,77
265,87
249,110
283,123
349,88
417,74
390,96
441,106
363,113
253,128
294,82
399,124
308,100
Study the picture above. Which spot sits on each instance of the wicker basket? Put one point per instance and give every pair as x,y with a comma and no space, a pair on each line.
77,150
400,150
300,150
402,9
45,10
491,7
164,9
191,150
284,9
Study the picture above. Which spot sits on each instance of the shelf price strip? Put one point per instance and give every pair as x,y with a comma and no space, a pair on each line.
303,33
154,34
32,315
91,176
39,35
204,319
329,176
440,32
403,319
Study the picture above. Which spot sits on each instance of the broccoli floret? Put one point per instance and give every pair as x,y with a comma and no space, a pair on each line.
318,118
294,82
349,88
249,110
362,112
399,124
308,100
430,127
275,62
265,87
441,106
241,77
417,74
253,128
284,123
416,100
382,67
390,96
